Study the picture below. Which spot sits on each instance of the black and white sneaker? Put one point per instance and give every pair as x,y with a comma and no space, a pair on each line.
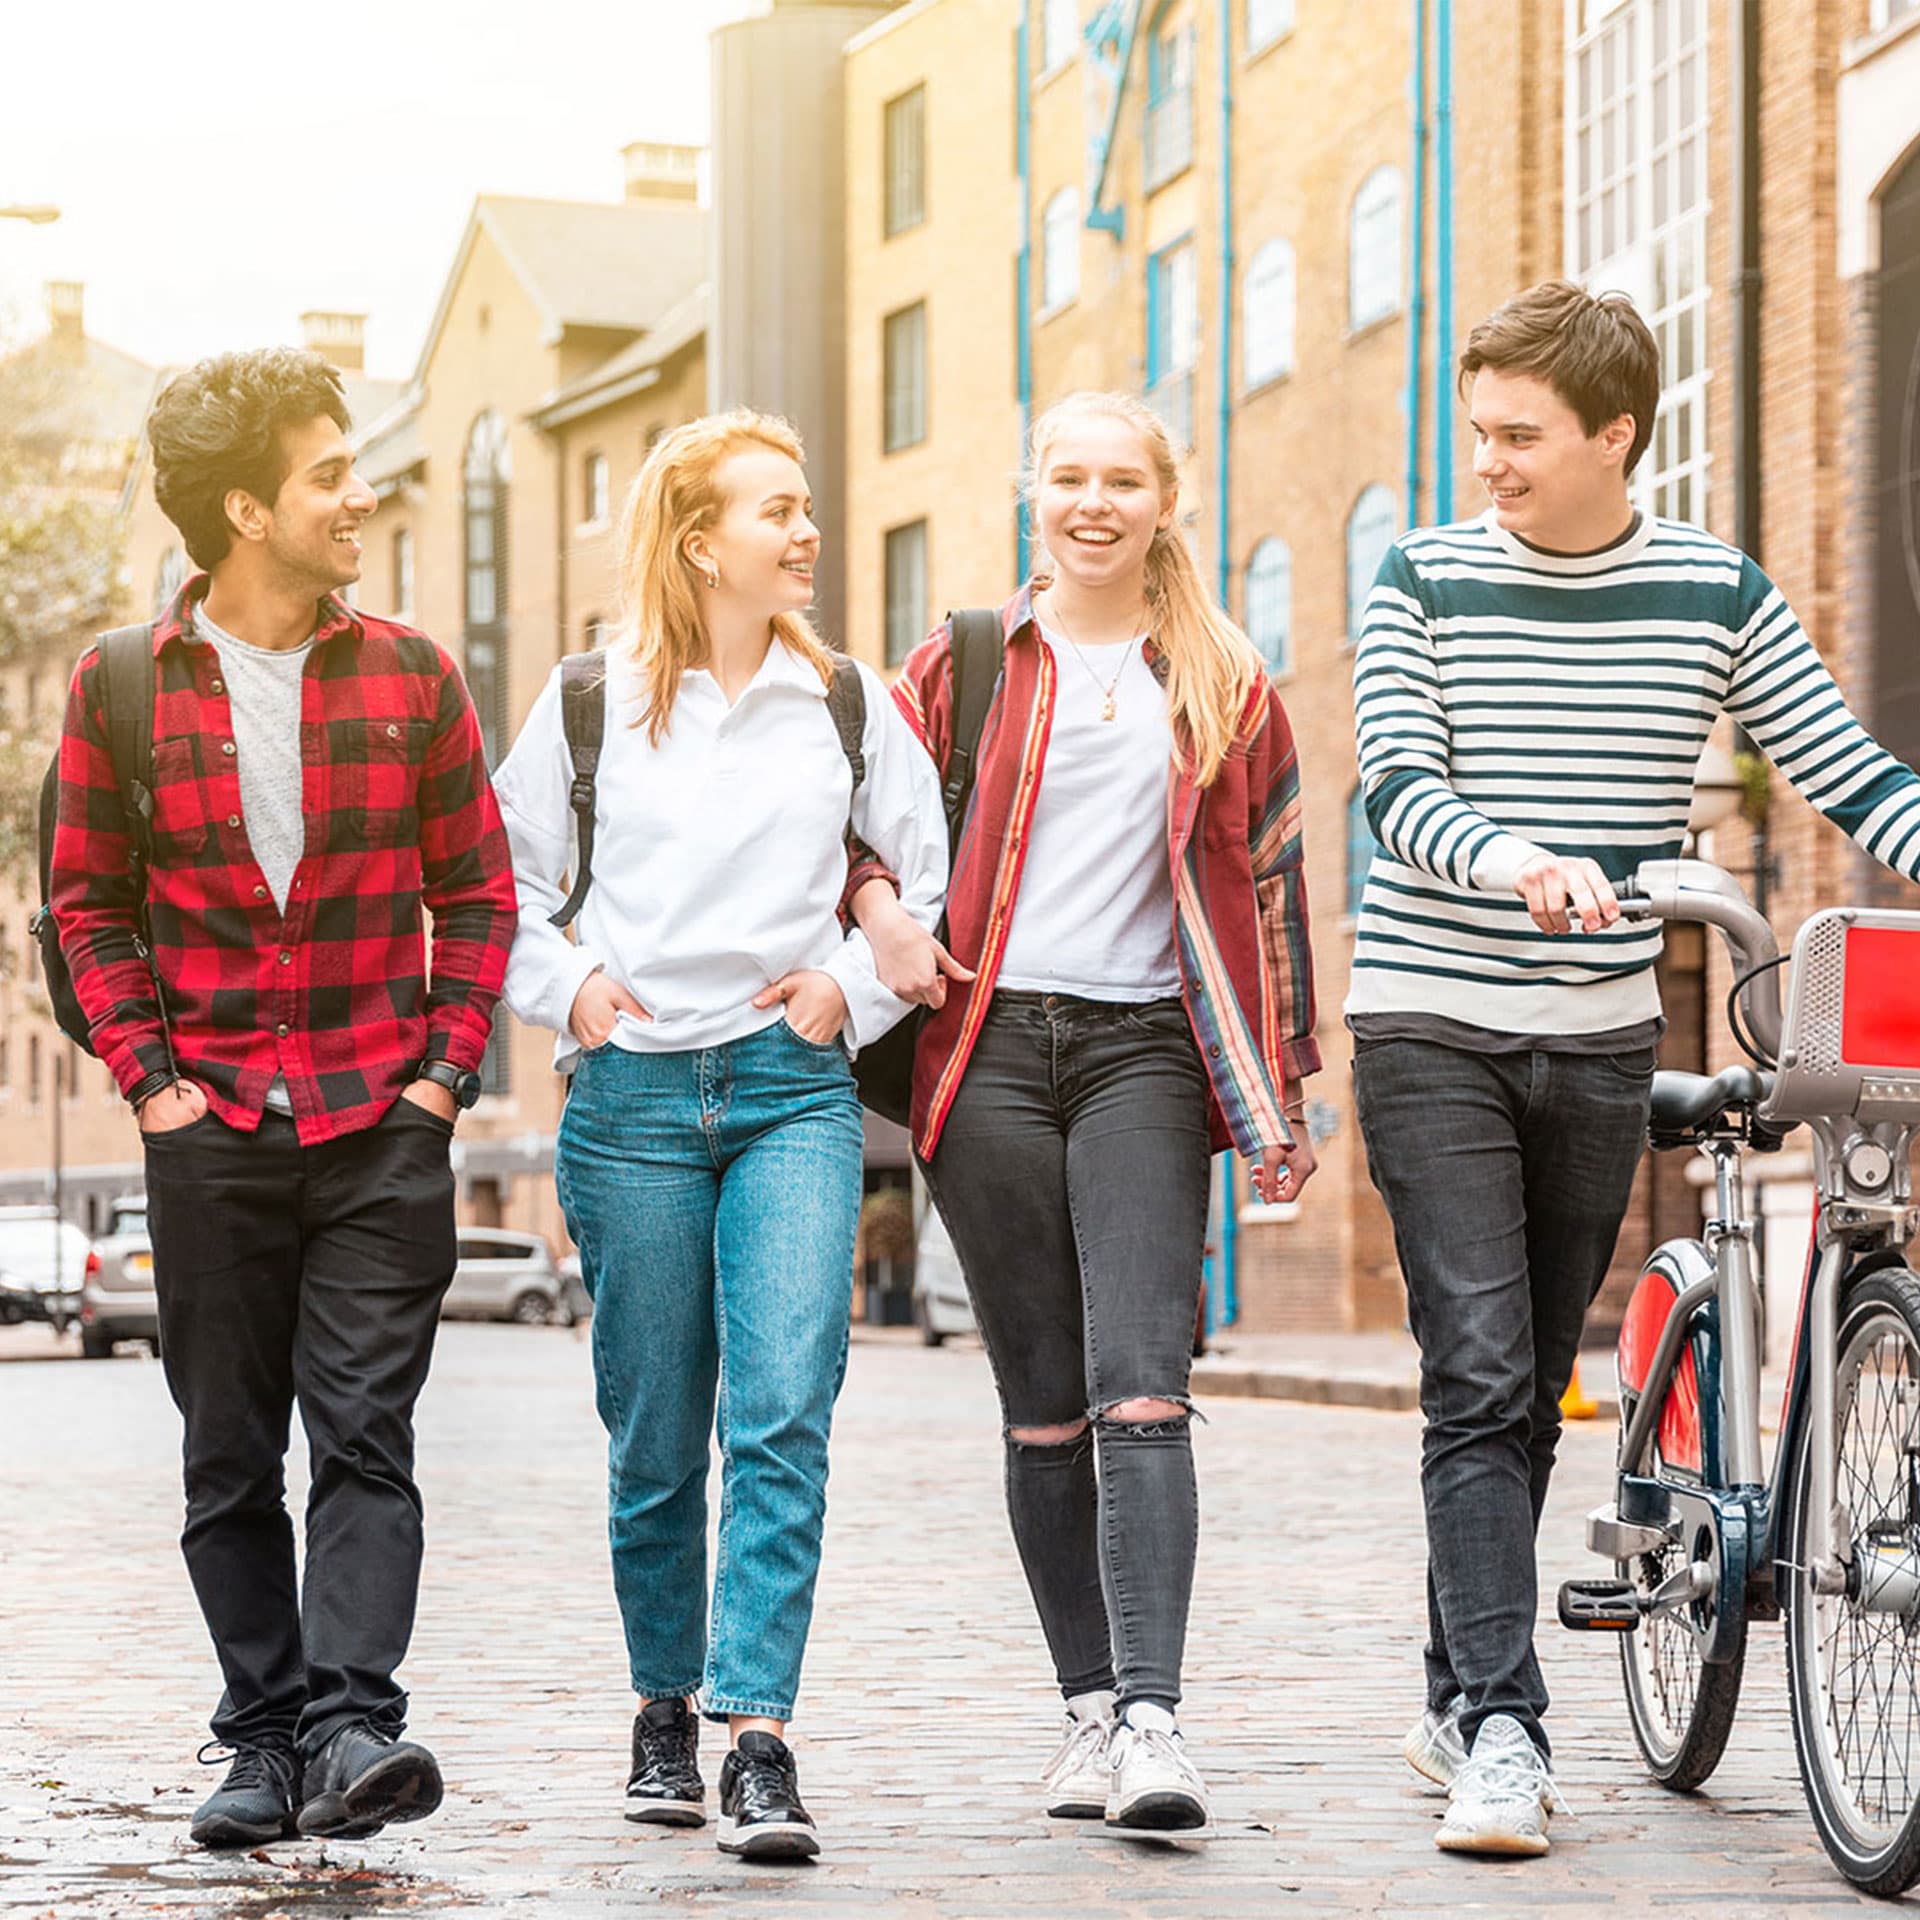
761,1817
665,1787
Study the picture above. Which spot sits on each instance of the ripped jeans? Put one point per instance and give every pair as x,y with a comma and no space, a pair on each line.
1072,1174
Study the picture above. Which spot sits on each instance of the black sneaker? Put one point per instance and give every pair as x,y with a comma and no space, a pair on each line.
760,1812
254,1802
665,1786
360,1780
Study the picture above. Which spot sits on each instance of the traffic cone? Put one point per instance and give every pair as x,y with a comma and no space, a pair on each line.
1575,1403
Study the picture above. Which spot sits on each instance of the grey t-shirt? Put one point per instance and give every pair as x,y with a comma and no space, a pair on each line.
263,692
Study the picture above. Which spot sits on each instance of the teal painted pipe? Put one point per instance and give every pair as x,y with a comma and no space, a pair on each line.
1416,288
1443,277
1023,272
1223,459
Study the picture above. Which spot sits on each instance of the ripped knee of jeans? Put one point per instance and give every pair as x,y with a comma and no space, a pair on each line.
1145,1417
1069,1433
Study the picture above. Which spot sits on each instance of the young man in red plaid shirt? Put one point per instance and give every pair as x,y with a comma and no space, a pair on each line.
317,781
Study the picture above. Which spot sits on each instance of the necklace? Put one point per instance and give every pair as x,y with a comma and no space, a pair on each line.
1107,691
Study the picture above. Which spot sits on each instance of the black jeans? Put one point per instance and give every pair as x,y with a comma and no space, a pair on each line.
1073,1176
310,1274
1507,1176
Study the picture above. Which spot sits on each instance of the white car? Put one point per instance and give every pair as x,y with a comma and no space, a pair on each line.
44,1263
504,1275
940,1303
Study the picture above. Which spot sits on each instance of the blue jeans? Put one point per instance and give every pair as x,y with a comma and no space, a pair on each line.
1507,1176
714,1196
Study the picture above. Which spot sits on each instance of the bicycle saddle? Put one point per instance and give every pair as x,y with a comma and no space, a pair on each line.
1683,1103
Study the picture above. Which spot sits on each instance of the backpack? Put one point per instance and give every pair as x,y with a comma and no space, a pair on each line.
127,689
884,1070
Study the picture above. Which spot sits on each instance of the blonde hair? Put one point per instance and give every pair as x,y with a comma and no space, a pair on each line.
1212,666
677,493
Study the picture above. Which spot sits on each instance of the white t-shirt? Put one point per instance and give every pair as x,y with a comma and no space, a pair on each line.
1094,916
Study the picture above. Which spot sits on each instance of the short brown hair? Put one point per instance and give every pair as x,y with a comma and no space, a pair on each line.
217,427
1592,349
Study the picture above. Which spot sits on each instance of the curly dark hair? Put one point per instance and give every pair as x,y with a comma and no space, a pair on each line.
217,427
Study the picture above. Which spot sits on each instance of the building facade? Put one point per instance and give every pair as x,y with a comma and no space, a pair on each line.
1276,220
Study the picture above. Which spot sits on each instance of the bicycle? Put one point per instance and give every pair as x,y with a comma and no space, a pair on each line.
1703,1539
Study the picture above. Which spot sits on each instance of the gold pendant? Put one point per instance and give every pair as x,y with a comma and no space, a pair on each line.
1106,712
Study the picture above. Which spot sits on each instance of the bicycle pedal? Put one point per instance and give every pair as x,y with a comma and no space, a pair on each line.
1598,1606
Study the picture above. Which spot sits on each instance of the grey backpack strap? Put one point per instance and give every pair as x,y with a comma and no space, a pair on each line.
847,702
127,688
583,717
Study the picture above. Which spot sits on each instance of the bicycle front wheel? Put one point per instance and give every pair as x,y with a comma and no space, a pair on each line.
1853,1657
1681,1706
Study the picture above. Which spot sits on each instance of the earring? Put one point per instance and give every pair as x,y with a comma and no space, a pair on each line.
713,579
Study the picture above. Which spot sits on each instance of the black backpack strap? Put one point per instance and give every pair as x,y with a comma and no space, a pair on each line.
847,702
126,697
978,645
583,717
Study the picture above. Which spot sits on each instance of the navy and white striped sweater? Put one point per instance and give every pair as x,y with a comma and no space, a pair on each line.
1509,700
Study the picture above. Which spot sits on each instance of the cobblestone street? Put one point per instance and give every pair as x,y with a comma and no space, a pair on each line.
927,1707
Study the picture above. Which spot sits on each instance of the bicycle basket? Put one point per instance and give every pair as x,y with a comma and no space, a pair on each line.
1850,1041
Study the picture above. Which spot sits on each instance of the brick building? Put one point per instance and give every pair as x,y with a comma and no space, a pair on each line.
1277,219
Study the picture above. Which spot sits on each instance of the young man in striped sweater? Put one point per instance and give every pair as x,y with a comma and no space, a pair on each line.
1532,691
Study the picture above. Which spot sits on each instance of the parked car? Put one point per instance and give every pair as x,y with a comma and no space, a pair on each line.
118,1302
44,1262
578,1298
940,1303
503,1275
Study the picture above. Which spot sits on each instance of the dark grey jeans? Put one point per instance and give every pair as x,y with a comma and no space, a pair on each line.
1073,1176
1507,1176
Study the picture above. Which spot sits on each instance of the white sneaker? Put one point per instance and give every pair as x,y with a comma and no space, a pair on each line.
1077,1776
1501,1796
1153,1788
1433,1747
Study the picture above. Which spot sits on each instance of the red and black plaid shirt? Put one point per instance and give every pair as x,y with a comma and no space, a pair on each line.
335,994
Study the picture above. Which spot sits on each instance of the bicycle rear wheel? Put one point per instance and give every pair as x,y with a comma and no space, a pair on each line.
1853,1658
1681,1706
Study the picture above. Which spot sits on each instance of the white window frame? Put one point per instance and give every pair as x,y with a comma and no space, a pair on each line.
403,573
1382,505
1269,591
903,173
1268,303
594,489
1268,21
903,378
1060,251
1059,34
1376,248
1638,131
904,614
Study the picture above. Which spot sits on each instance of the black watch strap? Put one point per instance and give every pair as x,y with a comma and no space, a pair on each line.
461,1082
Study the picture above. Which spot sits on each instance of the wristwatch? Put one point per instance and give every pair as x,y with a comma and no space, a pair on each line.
461,1082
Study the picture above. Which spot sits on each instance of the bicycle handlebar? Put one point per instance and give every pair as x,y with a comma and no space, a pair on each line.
1694,890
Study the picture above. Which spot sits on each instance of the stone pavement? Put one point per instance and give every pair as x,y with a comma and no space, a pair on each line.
926,1711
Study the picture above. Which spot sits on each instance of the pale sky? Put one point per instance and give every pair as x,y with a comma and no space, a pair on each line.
220,168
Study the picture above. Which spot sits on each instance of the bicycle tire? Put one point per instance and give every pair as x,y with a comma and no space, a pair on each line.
1681,1707
1869,1834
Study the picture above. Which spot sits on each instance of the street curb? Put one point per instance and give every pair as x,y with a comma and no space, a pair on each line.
1326,1387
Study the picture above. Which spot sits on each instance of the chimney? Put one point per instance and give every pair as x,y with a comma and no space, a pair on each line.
656,172
67,311
337,337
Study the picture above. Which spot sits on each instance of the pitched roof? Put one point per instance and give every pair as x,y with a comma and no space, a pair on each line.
634,368
618,265
85,392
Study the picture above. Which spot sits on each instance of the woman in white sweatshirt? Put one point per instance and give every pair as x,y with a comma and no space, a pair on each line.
709,1161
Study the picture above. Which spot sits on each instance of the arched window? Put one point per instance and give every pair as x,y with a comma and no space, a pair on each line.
1060,250
1267,20
1269,313
1361,847
1371,527
485,476
1270,604
1373,248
